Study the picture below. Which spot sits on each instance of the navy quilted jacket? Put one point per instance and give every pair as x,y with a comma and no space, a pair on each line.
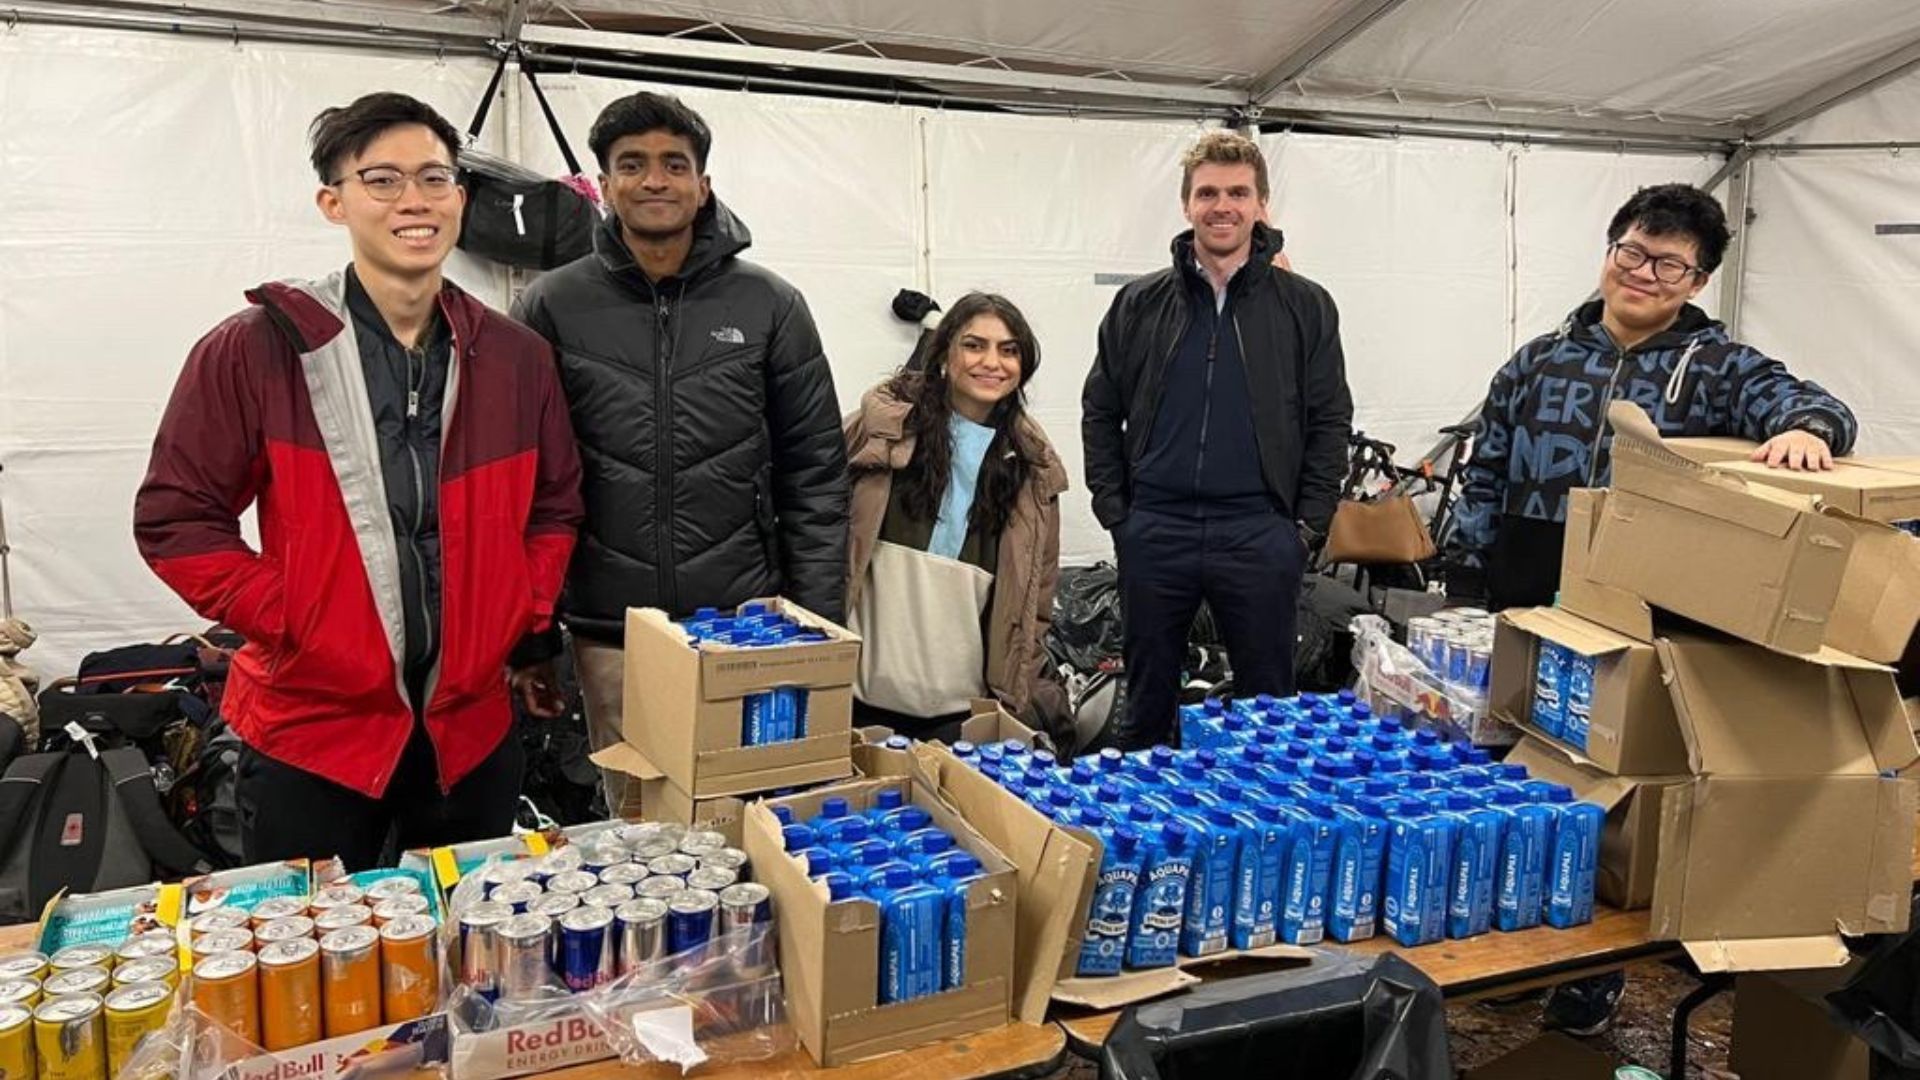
1543,426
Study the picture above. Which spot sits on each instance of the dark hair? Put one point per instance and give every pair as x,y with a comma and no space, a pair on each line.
345,131
1669,209
1007,465
637,114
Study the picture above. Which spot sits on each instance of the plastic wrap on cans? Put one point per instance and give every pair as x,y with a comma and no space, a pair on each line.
573,881
587,947
409,968
505,872
711,878
673,865
702,842
132,1012
225,987
554,905
607,896
655,846
640,927
388,888
395,907
727,858
517,895
628,874
340,894
341,917
660,887
691,914
480,947
141,947
522,950
599,856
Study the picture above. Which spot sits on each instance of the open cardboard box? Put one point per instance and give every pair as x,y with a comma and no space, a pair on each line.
1782,1029
1631,730
683,706
1771,566
830,951
1794,829
1630,840
657,798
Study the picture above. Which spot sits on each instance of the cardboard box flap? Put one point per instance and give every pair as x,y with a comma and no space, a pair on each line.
1890,886
1644,465
1829,715
1126,988
624,757
1768,954
1858,487
1558,765
1709,449
1878,618
1616,609
1584,637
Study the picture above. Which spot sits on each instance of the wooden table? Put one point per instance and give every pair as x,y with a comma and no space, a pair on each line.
1015,1052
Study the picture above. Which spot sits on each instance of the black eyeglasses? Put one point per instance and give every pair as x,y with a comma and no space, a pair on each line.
385,183
1666,268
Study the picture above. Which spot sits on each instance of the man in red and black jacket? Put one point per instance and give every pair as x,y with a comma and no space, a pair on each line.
418,491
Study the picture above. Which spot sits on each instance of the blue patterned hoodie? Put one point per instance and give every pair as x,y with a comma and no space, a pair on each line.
1543,426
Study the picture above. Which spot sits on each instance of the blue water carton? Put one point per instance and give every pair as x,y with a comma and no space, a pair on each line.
1550,687
911,921
1359,866
1524,845
951,874
1476,863
1579,699
1160,907
1266,834
1104,948
1575,859
1303,911
1419,844
1210,885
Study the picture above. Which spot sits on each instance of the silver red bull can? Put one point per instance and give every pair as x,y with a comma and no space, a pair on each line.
640,927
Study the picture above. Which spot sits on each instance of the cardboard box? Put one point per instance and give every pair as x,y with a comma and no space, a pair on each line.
683,707
658,798
388,1050
1764,564
1853,484
1713,448
830,952
1630,841
1552,1056
567,1038
1792,831
1632,729
1781,1029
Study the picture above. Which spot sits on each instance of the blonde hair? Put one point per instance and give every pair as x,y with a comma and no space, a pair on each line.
1223,148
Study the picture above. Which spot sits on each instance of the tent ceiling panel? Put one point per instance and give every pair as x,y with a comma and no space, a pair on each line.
1713,60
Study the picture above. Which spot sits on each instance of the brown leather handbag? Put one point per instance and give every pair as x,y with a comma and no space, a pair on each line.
1385,529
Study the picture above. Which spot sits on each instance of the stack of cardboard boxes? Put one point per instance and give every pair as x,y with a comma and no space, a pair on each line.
683,723
1743,727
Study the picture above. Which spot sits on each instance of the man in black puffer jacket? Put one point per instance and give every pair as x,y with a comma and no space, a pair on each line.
714,469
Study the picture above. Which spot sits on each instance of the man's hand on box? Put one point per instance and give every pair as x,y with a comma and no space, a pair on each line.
1801,451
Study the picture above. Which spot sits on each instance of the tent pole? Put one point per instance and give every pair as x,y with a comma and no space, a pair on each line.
1881,69
1348,23
1740,215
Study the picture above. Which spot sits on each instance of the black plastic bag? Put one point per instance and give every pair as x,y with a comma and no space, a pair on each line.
1086,617
1323,651
1340,1018
1881,1003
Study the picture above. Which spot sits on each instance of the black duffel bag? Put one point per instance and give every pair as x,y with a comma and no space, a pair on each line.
515,216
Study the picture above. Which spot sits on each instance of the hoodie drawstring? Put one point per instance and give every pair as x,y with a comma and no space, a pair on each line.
1680,372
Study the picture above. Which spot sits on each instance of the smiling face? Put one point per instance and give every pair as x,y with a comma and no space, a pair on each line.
1222,204
413,234
1637,299
983,367
654,184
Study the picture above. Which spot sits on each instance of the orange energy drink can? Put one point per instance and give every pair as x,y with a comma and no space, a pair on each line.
339,918
153,969
87,980
132,1013
291,1011
232,939
220,918
340,895
79,956
350,979
25,965
390,909
70,1038
224,987
16,1042
293,926
409,968
277,907
22,992
388,888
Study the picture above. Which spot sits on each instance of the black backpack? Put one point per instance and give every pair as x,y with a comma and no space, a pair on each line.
86,822
515,216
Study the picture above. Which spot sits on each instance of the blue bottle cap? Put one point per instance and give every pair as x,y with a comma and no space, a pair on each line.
1304,729
1477,756
1373,807
852,830
899,742
1379,789
1108,793
1309,699
1141,813
1090,817
1125,840
1344,697
912,818
933,843
869,853
1389,725
1361,710
1349,729
1460,800
1426,737
1082,774
1045,758
1254,755
1175,835
1509,796
899,877
796,837
988,769
1062,798
962,865
833,806
1207,758
1160,757
783,815
1013,746
1111,760
993,752
839,886
889,799
706,613
1214,706
1511,770
963,749
1559,793
1220,815
819,861
1266,737
1410,807
1336,744
1263,702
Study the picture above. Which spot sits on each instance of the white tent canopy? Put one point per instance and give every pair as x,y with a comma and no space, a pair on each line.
150,176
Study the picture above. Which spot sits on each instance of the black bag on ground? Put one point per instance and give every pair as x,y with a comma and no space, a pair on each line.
1881,1004
1323,645
560,782
1342,1018
514,215
74,820
1086,629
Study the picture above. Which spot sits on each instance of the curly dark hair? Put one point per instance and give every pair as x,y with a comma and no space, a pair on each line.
1676,209
1009,460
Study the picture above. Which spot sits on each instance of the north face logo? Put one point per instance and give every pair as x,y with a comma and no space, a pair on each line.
729,335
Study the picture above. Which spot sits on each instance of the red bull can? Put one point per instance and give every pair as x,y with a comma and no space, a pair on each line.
691,915
586,948
641,929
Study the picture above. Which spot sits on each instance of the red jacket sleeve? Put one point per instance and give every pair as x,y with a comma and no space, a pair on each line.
557,510
209,462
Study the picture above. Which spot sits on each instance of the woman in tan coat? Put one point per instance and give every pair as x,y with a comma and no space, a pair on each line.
955,531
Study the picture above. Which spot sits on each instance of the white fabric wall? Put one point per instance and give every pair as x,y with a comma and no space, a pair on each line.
187,182
1823,292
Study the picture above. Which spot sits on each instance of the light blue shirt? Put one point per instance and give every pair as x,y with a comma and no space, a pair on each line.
970,442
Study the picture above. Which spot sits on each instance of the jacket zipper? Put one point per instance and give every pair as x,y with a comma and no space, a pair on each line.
418,354
663,453
1593,459
1206,406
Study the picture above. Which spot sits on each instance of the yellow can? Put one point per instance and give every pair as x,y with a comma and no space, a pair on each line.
22,992
25,965
145,947
16,1043
80,956
70,1038
133,1012
154,969
87,980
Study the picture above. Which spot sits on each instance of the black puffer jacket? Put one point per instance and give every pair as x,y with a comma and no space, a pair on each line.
712,464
